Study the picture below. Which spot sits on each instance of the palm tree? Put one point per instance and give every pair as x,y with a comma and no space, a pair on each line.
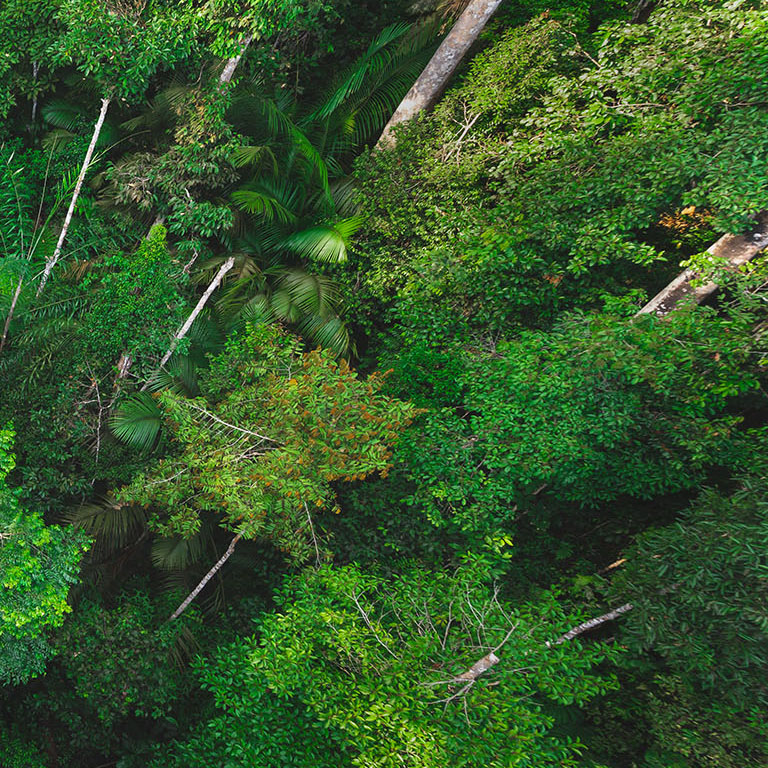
297,202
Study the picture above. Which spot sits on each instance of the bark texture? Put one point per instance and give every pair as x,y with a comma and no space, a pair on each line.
737,250
11,310
208,576
432,81
51,263
231,65
591,624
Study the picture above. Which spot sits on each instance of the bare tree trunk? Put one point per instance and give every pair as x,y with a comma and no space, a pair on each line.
432,81
591,624
182,332
51,263
208,576
737,250
11,310
231,65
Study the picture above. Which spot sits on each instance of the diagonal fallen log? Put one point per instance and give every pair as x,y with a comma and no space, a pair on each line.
736,250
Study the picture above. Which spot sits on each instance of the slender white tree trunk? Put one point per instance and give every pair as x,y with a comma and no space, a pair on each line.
737,250
231,65
432,81
208,576
11,310
51,263
591,624
182,332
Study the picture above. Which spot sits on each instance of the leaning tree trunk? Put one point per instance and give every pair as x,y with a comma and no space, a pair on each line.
51,263
231,65
11,310
208,576
736,250
182,332
432,81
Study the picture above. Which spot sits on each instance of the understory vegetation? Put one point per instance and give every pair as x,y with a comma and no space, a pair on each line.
320,451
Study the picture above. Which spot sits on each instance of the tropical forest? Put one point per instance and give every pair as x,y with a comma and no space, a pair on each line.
383,383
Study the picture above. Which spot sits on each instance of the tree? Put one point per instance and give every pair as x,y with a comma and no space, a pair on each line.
38,564
397,672
699,593
123,47
261,450
432,81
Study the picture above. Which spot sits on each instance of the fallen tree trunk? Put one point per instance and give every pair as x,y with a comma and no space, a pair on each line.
432,81
736,250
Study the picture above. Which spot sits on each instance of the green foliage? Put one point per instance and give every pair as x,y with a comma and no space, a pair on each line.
254,726
597,408
123,44
17,752
125,660
698,588
262,449
137,308
556,172
38,564
377,662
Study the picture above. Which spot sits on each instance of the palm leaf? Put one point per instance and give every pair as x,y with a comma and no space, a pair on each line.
263,204
324,242
329,332
375,59
137,421
112,525
177,553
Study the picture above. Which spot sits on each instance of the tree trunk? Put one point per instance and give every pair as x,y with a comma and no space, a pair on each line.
432,81
591,624
51,263
182,332
208,576
231,65
737,250
11,310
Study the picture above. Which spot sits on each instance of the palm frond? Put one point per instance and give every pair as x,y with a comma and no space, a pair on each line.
311,294
329,332
375,59
177,553
263,204
112,525
324,242
137,421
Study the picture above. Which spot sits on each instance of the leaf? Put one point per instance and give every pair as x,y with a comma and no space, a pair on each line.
324,242
137,421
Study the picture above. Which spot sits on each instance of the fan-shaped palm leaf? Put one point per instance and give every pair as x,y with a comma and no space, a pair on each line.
137,421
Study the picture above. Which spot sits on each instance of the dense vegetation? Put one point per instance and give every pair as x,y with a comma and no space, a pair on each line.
315,453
